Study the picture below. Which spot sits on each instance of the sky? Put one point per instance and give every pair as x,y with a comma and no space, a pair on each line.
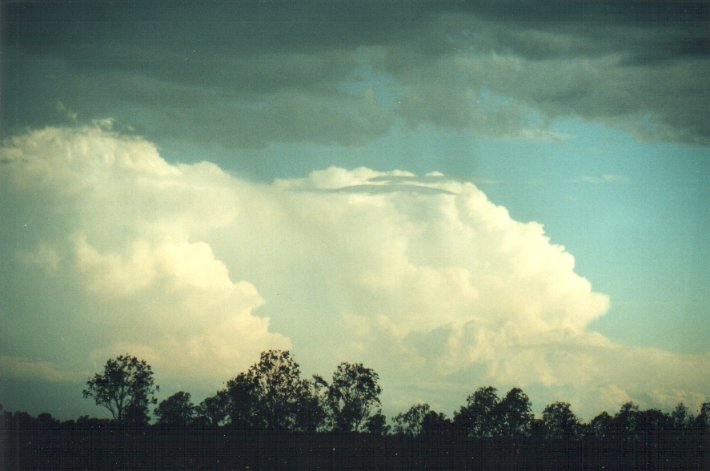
456,194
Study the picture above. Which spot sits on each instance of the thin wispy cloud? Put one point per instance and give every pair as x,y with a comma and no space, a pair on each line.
602,179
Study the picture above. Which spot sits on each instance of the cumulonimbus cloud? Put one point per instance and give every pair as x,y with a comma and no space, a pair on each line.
196,270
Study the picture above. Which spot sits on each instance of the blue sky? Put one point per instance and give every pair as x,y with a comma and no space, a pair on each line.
385,182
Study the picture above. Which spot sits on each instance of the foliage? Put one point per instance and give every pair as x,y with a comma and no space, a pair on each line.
419,420
435,423
377,424
601,426
478,417
411,422
486,416
125,388
214,410
559,422
652,423
242,404
702,421
681,417
625,421
352,397
45,443
178,409
515,415
272,395
312,415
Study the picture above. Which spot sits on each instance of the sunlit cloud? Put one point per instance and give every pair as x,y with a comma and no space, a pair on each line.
198,271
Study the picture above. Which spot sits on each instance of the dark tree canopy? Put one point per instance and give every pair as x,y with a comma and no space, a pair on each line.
559,421
702,421
652,422
377,424
242,404
602,426
214,410
485,415
626,421
312,414
178,409
681,417
353,397
272,395
435,423
125,388
411,422
249,424
515,414
478,418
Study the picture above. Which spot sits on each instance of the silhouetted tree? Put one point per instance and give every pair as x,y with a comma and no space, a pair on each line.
272,395
514,414
176,410
625,421
311,414
214,410
559,421
244,395
478,418
353,397
435,423
43,443
377,424
411,422
45,419
601,426
125,388
702,421
651,424
681,418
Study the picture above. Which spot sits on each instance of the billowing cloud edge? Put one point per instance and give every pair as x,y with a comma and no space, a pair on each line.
412,274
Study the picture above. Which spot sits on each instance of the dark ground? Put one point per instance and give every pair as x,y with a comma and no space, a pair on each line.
101,445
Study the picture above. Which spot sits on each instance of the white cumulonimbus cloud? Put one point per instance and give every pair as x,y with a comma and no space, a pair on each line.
421,277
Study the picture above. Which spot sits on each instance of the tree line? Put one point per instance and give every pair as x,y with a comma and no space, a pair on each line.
273,395
270,395
271,417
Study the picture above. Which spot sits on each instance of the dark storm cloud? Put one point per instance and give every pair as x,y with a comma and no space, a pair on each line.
643,32
250,73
